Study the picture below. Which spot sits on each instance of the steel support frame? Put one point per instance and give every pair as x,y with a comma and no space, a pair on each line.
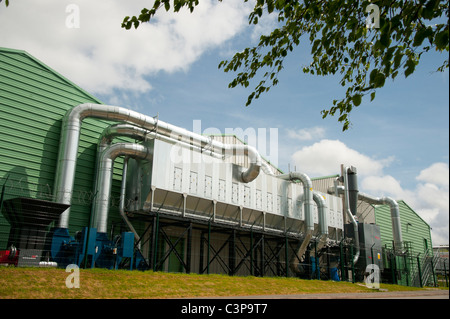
263,251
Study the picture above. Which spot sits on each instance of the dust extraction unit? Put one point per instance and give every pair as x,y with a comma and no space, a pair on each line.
176,172
169,172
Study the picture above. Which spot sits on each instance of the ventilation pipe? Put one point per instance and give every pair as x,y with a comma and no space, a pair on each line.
70,133
104,180
395,216
309,220
323,221
349,205
137,238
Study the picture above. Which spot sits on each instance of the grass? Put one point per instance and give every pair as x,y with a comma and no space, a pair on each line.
50,283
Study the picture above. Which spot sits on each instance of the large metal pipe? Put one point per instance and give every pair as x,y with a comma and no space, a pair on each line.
323,220
351,214
309,218
352,182
322,209
104,179
70,133
395,216
122,201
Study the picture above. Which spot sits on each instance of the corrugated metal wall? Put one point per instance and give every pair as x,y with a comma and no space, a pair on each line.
33,100
414,229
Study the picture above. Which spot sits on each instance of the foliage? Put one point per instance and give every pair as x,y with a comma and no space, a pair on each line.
341,43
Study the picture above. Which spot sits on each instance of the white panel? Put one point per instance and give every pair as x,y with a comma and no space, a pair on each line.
193,183
247,199
222,187
177,178
258,199
235,193
208,186
269,202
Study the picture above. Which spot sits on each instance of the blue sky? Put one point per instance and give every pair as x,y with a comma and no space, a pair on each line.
399,142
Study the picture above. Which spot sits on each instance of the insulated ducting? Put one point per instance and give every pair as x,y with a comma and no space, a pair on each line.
323,222
71,127
104,179
309,219
349,205
395,216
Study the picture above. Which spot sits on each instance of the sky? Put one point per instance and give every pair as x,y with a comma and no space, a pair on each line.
169,68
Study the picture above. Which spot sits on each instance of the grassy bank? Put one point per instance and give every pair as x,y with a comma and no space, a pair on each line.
50,283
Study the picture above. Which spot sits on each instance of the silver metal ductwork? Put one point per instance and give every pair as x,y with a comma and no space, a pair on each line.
346,190
395,216
71,127
104,179
323,222
309,220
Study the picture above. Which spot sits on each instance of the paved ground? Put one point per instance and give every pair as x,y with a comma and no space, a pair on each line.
432,294
422,294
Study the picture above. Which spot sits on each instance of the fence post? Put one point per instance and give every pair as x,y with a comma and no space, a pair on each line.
445,274
420,272
432,271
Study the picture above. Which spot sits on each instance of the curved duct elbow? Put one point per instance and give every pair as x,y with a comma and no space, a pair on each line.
307,195
395,216
104,180
322,208
309,219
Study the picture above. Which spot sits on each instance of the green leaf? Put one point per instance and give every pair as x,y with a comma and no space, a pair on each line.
356,99
379,80
167,5
372,76
372,96
429,9
384,39
421,34
442,40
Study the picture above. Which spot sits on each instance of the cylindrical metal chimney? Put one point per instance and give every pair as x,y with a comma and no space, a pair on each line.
352,189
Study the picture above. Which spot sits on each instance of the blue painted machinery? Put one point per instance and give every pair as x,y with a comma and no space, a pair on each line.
89,247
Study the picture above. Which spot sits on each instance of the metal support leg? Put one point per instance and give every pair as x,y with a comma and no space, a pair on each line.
232,253
189,249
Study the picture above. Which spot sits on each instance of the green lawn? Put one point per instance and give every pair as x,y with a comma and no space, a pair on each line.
50,283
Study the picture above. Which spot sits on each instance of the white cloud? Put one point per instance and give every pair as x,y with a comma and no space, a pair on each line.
307,134
101,56
438,173
326,156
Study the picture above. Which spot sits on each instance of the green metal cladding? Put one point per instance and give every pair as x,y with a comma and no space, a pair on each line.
414,229
33,101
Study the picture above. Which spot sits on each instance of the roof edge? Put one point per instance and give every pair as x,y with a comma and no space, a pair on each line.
45,66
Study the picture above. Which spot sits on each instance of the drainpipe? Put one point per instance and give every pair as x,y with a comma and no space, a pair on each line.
309,220
395,216
70,133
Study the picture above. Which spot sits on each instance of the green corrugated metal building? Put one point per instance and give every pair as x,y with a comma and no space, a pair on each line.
33,101
417,245
415,230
